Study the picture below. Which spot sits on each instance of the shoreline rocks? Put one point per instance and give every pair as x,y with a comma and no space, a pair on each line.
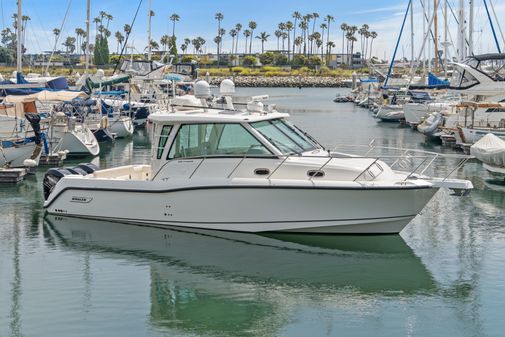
283,81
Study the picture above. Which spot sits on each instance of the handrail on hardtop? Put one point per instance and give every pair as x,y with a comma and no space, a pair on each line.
429,157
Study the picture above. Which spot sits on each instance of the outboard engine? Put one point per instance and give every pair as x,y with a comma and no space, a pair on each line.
54,175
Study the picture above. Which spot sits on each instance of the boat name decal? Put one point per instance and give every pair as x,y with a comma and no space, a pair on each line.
84,200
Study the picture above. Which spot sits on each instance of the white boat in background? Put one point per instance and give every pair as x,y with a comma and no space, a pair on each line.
68,134
248,171
490,150
390,113
21,139
65,133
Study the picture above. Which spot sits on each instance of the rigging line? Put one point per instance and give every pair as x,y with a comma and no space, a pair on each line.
126,38
492,27
58,36
497,21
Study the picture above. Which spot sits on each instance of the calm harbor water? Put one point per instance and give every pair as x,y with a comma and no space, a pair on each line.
443,276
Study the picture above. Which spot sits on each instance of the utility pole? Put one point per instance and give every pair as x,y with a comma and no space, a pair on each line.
19,51
86,49
149,30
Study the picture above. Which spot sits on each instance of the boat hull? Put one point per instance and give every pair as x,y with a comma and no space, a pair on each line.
249,208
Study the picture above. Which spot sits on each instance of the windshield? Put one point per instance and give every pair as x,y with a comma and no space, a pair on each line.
285,136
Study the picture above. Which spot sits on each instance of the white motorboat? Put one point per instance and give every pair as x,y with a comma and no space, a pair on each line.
248,172
490,149
67,134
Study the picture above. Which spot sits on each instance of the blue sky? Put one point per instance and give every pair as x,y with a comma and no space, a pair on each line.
197,19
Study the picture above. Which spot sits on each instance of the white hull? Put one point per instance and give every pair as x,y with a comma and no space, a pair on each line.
15,156
472,136
391,113
80,141
221,207
122,127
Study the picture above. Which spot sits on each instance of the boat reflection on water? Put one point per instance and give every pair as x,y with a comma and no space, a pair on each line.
203,280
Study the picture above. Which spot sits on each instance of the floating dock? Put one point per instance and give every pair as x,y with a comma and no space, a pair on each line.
12,175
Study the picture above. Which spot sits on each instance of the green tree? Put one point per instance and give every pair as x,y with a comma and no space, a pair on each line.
6,55
299,60
267,58
252,26
280,59
263,37
249,61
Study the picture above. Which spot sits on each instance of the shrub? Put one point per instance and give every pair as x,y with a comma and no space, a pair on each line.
280,60
249,61
189,58
299,60
267,58
313,61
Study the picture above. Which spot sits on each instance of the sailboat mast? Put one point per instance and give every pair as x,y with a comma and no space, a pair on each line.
429,36
86,51
424,33
461,30
149,30
19,52
445,38
435,28
412,56
470,28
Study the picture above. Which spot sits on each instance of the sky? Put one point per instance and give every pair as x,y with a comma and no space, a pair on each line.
197,19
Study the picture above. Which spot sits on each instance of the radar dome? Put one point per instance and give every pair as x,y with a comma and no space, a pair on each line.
227,87
202,89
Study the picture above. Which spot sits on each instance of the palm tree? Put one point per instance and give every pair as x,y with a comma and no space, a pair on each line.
284,36
298,43
127,29
184,46
154,45
247,33
278,35
233,33
330,45
218,40
329,20
323,26
315,16
69,44
219,17
238,28
289,28
303,26
79,32
296,16
174,18
344,28
56,33
120,38
165,41
373,35
252,25
263,37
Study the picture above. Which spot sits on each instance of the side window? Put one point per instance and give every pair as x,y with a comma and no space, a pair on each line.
215,139
234,139
165,131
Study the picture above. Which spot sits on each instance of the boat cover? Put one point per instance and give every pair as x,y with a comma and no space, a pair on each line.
46,95
490,149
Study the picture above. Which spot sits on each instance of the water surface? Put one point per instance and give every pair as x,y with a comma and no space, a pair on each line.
442,276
